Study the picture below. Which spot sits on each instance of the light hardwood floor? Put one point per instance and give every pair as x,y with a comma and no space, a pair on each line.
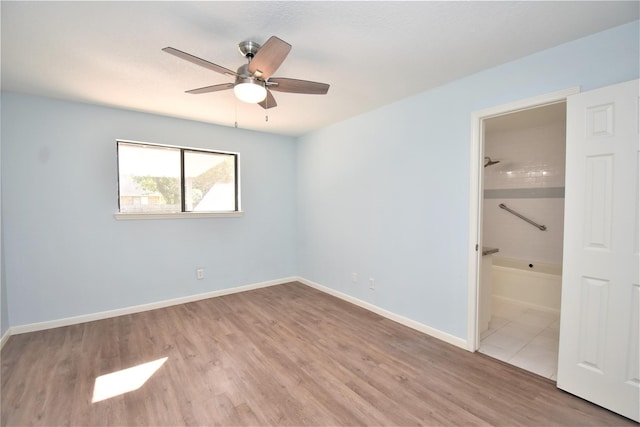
283,355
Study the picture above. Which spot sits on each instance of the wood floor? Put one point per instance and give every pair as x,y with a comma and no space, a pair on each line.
283,355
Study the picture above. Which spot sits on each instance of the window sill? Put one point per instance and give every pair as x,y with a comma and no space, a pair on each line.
177,215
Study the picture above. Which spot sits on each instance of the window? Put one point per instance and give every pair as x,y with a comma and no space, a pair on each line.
158,179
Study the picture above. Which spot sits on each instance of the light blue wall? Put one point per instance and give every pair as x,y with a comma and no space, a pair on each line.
4,311
65,253
386,194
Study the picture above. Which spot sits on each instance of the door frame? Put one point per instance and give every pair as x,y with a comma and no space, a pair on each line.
476,187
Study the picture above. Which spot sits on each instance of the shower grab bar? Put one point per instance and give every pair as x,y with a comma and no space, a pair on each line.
535,224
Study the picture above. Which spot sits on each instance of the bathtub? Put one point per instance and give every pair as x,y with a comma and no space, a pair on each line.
536,284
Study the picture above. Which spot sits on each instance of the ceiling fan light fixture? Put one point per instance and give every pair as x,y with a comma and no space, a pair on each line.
248,90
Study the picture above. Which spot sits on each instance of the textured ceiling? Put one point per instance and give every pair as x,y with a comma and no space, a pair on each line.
371,53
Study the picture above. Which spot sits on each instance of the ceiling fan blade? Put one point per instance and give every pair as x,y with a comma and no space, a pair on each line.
214,88
298,86
269,57
199,61
269,101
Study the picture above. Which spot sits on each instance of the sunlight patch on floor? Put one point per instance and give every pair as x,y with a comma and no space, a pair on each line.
125,380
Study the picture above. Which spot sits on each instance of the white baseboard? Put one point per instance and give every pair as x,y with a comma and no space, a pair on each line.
32,327
458,342
5,337
508,300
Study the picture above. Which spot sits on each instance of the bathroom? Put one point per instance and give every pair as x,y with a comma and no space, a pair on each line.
522,234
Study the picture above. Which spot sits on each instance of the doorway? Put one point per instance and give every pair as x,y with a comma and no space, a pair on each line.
534,187
522,233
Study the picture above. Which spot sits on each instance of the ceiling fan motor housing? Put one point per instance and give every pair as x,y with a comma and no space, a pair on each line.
245,76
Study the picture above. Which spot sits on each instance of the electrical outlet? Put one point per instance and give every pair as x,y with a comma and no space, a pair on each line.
372,283
200,273
354,277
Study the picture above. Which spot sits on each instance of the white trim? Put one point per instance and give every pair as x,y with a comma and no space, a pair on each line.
475,198
32,327
525,304
177,215
458,342
186,215
475,237
181,147
527,104
5,337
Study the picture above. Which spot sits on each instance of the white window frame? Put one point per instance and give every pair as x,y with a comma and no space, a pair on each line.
180,215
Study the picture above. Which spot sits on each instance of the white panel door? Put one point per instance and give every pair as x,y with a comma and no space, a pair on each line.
599,325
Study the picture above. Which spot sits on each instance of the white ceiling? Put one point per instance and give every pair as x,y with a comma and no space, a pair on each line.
529,118
371,53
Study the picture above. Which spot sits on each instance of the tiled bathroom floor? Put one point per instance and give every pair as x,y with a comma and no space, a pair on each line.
524,337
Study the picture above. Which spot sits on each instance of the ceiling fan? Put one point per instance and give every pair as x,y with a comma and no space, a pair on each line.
253,81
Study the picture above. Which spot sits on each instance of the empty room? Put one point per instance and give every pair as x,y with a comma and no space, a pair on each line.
319,213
